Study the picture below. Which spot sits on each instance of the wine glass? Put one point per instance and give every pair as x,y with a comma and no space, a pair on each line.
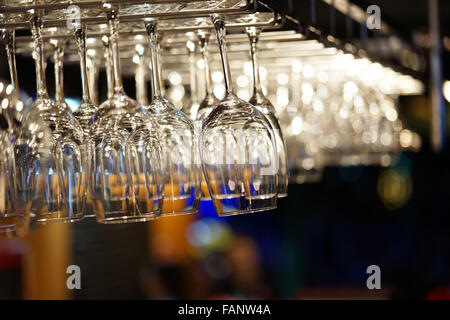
8,195
304,157
238,150
14,112
178,142
85,113
125,185
209,102
266,107
302,126
52,170
14,220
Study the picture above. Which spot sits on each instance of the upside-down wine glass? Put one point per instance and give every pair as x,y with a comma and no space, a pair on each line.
126,184
209,102
8,194
303,128
180,165
14,221
85,113
54,167
238,150
14,112
266,107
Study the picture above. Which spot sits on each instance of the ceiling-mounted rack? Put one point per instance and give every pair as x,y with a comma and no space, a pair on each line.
179,18
264,20
57,13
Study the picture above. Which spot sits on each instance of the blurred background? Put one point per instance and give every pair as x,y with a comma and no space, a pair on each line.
318,243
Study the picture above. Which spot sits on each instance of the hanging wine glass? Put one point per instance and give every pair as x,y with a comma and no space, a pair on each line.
178,143
14,112
265,106
85,113
305,160
209,102
58,58
303,128
8,195
55,163
389,127
126,185
238,150
145,144
14,221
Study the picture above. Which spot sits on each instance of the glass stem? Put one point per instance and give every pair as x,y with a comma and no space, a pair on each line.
152,32
114,39
295,89
36,25
141,86
253,35
9,36
109,68
219,25
203,41
58,55
80,36
92,75
192,73
160,71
